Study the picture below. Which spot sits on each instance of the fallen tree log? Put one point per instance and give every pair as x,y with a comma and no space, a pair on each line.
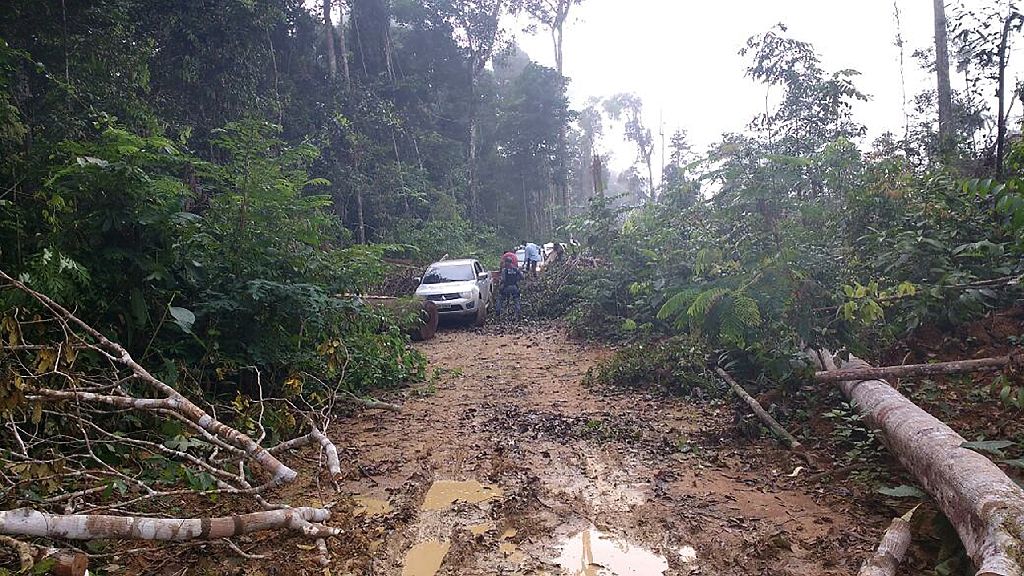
910,370
773,424
891,549
27,522
981,502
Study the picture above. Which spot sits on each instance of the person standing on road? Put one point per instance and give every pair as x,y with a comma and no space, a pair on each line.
510,254
508,289
532,258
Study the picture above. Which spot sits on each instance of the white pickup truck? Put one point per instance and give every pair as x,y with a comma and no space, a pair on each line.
459,288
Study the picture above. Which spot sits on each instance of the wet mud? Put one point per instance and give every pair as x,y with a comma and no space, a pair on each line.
513,466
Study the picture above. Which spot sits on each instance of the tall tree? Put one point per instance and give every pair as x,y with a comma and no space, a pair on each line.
630,110
343,45
1013,21
476,25
945,93
371,24
553,14
332,60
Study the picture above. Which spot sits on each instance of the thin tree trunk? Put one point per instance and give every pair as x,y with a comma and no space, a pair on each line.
1001,118
776,428
910,370
332,59
361,223
343,47
473,128
945,93
891,549
981,502
27,522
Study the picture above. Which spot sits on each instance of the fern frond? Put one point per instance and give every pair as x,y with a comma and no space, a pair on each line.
677,304
705,301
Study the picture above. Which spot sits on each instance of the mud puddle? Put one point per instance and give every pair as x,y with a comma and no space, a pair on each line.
595,553
444,493
425,558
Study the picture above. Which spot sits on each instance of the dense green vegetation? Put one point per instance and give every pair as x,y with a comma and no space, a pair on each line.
791,235
181,173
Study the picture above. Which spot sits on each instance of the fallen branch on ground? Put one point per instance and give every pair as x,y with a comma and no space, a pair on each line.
776,428
910,370
369,402
982,503
117,354
64,562
27,522
891,549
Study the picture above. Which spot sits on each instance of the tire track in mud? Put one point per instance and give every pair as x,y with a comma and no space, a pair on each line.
566,480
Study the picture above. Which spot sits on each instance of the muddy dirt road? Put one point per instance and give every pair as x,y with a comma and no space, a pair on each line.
513,466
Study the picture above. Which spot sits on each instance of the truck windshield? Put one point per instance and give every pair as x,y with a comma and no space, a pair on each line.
441,274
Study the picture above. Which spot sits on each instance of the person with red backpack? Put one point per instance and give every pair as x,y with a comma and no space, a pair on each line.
509,280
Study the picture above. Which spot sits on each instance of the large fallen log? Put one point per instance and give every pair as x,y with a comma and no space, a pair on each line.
912,370
982,503
773,424
891,549
27,522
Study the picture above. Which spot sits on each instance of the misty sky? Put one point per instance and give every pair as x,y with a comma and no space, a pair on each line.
681,57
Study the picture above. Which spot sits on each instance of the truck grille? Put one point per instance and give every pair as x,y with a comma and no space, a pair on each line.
443,297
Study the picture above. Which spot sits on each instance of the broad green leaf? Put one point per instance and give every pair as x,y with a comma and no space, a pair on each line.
903,491
183,317
994,447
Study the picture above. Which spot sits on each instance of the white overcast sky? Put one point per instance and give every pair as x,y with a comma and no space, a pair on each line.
681,57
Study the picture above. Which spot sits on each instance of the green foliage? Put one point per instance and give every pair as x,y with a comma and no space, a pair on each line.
674,366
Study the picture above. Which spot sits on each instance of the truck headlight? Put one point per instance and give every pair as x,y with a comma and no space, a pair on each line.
470,295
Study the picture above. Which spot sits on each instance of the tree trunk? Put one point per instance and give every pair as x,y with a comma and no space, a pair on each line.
910,370
473,130
982,503
343,47
650,176
891,549
332,59
776,428
26,522
945,93
598,172
360,222
1001,118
